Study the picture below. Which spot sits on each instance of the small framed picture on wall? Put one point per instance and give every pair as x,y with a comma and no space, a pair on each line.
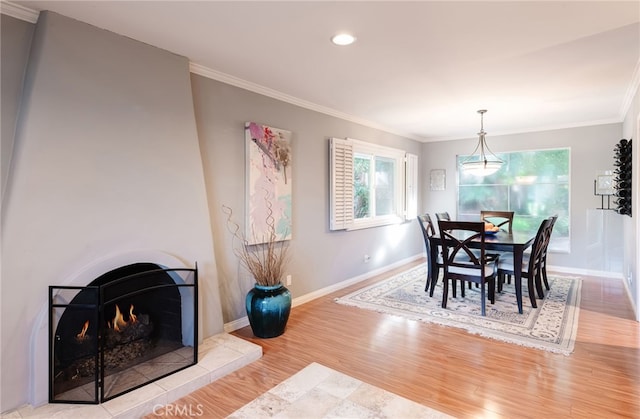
438,179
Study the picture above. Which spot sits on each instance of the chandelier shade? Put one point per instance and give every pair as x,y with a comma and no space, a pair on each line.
484,163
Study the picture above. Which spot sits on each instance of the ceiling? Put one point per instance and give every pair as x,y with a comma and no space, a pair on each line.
419,69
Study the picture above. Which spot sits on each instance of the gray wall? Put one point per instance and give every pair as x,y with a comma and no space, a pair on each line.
320,257
106,172
15,53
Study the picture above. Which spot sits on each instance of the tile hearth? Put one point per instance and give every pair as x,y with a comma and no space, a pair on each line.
218,356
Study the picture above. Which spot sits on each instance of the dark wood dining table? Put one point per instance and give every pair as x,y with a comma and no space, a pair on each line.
516,243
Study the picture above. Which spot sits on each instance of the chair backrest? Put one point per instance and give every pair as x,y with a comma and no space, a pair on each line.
499,218
539,247
443,216
426,225
455,239
552,221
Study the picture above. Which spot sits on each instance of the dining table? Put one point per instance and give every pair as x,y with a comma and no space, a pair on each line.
501,241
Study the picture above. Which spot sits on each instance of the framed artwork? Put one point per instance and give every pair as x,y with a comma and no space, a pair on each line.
438,179
268,183
604,182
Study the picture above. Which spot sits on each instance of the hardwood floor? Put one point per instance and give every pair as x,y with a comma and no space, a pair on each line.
448,369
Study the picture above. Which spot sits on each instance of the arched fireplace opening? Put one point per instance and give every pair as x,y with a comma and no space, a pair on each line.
127,328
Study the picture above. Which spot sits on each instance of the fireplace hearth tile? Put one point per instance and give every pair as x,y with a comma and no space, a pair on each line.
184,382
218,356
138,402
77,411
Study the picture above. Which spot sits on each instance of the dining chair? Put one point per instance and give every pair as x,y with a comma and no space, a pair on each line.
531,264
543,267
462,263
443,216
499,218
428,231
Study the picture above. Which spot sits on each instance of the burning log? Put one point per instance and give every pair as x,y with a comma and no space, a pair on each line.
124,341
130,332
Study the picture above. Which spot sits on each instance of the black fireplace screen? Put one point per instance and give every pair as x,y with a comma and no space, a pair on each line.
127,328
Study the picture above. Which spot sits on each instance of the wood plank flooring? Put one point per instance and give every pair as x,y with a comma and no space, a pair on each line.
448,369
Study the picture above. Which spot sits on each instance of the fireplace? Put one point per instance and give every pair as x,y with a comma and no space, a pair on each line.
130,326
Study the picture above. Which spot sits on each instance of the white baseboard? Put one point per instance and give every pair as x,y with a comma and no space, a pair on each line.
244,321
585,272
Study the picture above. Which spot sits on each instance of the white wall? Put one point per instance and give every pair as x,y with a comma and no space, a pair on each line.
631,270
106,163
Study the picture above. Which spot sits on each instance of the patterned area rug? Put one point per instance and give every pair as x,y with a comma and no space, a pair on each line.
317,391
551,327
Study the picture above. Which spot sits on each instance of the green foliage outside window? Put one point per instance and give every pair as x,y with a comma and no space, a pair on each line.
361,173
533,184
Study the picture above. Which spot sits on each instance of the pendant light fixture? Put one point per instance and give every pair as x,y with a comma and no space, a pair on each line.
482,164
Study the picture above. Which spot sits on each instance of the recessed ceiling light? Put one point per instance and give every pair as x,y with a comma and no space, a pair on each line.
343,39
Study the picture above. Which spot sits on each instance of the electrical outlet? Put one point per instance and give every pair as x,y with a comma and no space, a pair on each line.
288,279
367,258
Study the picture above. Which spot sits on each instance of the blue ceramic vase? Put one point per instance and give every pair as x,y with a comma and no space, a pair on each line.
268,309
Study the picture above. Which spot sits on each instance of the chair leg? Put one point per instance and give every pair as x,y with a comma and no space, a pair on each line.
492,291
434,282
544,278
538,278
445,292
532,293
482,299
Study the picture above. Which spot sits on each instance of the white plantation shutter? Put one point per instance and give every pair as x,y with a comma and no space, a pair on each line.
341,169
411,187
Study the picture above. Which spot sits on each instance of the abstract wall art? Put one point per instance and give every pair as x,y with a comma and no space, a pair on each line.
268,183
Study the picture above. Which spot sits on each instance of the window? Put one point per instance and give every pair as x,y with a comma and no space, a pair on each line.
371,185
534,184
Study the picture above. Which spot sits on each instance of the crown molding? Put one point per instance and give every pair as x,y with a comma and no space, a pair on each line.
265,91
29,15
19,12
631,91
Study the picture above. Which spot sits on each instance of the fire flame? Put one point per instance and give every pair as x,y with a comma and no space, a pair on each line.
132,317
82,334
119,322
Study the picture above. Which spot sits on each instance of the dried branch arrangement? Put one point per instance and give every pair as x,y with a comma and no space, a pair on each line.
266,262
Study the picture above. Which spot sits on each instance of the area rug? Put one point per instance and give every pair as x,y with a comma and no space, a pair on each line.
317,391
551,327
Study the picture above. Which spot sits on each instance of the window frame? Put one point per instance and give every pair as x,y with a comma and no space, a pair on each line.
559,244
342,166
